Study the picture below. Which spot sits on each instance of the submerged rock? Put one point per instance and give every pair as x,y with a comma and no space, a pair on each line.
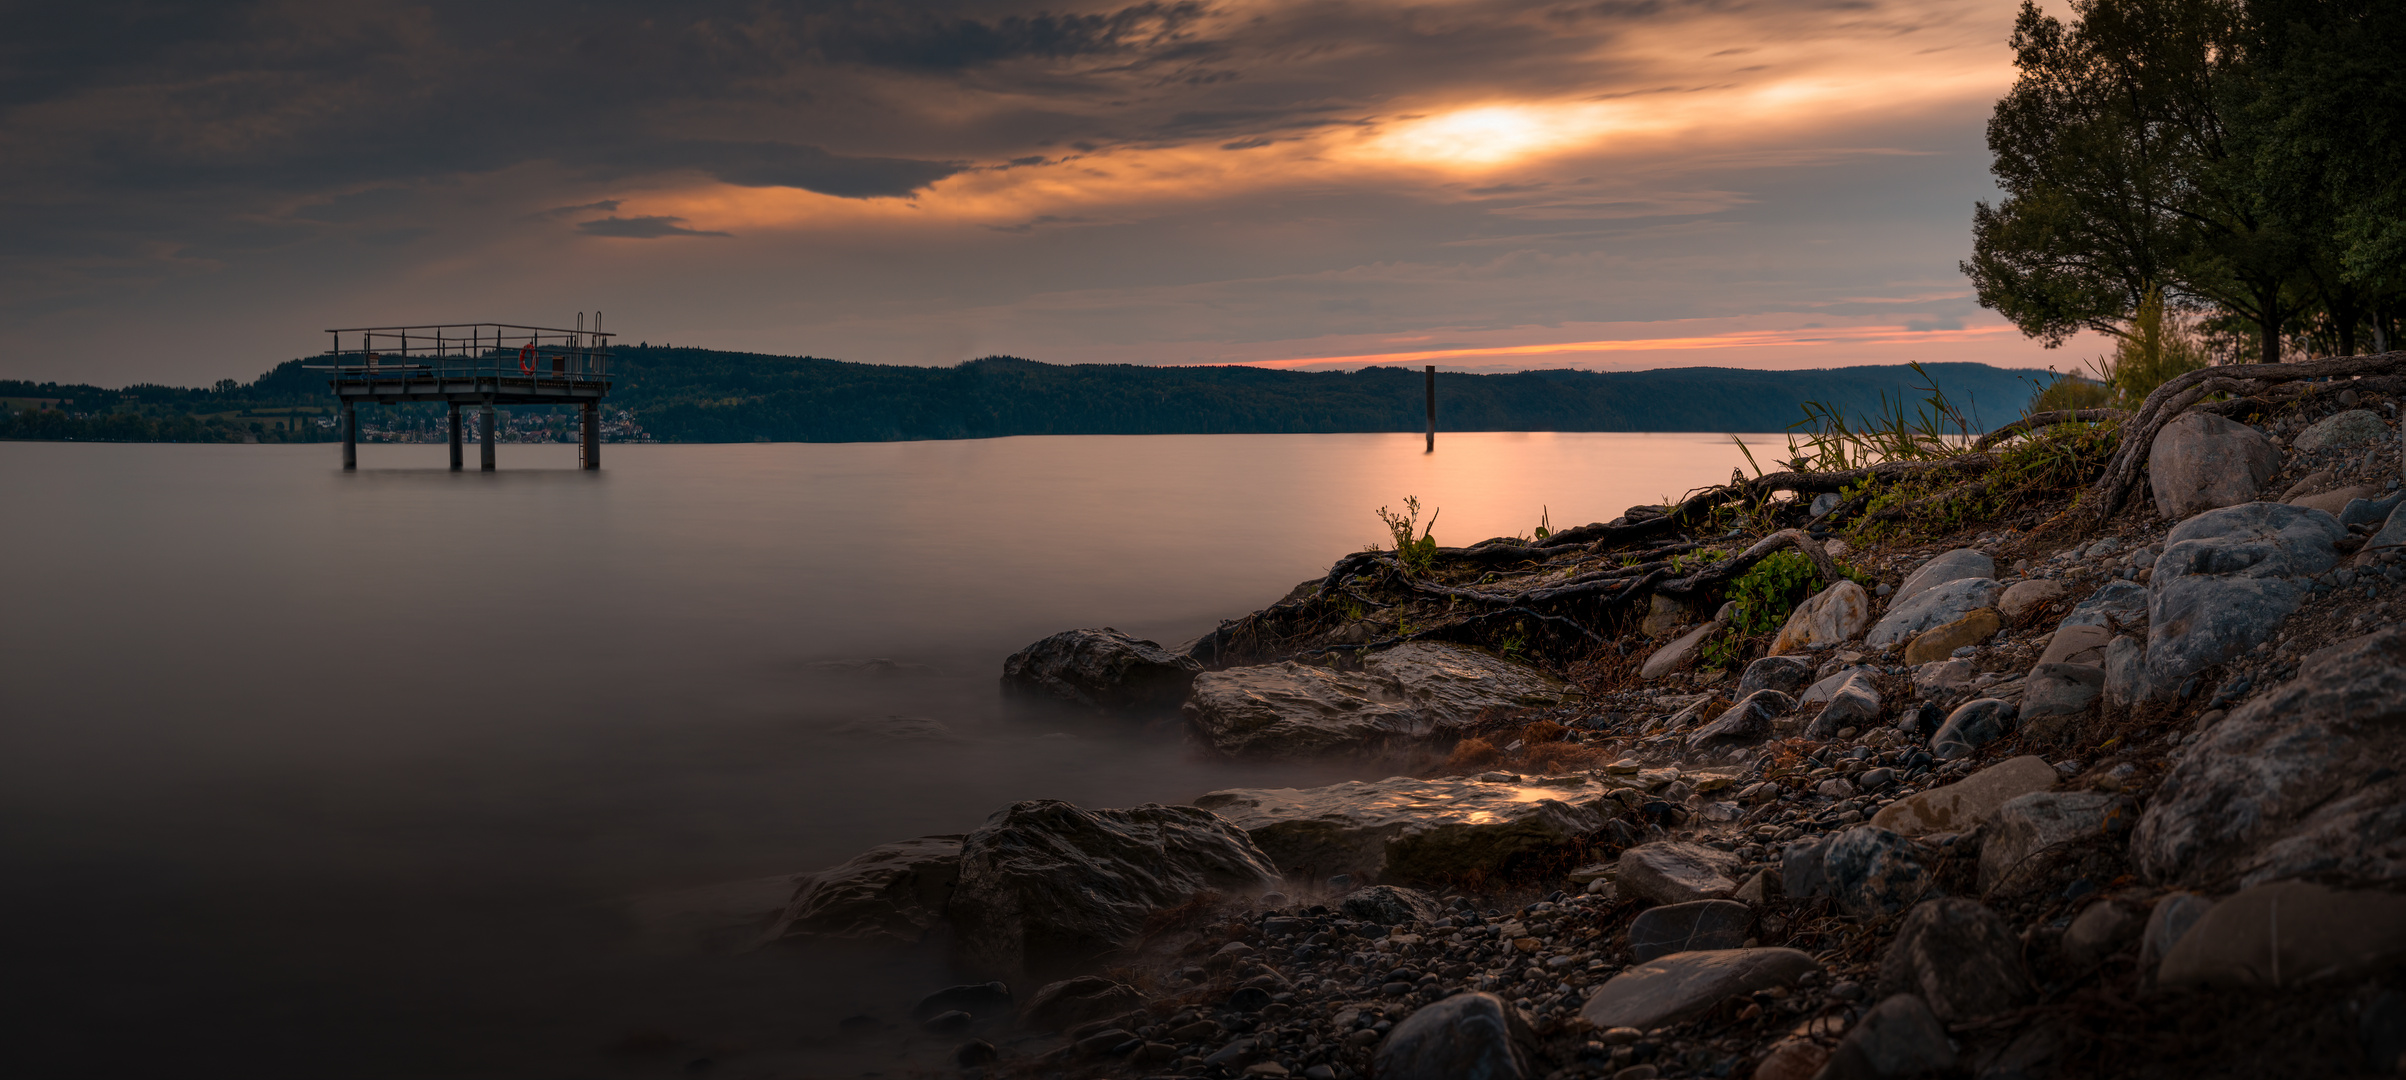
1101,669
895,892
2201,462
1046,885
1070,1002
1408,828
1411,691
2302,781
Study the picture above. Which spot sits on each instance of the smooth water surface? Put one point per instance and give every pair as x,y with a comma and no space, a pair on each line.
313,773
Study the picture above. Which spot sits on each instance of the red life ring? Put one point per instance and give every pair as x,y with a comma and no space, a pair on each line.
526,358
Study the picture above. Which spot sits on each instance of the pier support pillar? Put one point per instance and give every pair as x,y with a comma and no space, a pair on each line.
455,453
484,424
589,451
350,424
1432,396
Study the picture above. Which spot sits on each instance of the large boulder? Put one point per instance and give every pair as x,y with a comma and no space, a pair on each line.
1955,565
1046,886
1961,957
894,892
1675,987
1935,606
2202,462
1403,828
2225,581
2286,933
2342,431
1101,669
2299,782
1833,615
1409,692
1463,1037
2115,604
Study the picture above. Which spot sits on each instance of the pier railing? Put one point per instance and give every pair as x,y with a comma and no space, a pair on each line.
496,352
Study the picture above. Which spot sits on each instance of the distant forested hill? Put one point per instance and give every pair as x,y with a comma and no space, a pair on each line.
702,395
695,395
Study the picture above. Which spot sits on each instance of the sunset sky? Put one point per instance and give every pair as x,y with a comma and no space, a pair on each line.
196,191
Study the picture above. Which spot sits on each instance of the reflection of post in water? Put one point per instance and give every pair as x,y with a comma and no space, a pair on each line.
1432,396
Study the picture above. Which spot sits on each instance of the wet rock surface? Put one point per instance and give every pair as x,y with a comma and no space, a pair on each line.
1665,872
898,891
1411,828
1410,691
1046,886
1102,669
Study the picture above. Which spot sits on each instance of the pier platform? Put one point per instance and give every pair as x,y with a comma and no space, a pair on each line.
475,365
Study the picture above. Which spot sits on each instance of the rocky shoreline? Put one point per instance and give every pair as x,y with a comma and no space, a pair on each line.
2000,798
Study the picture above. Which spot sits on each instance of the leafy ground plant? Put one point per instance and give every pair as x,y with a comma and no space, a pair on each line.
1415,553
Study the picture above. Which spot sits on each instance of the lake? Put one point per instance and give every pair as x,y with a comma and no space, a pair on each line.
320,774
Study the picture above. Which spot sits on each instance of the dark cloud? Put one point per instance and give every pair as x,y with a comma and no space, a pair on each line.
932,41
640,228
768,164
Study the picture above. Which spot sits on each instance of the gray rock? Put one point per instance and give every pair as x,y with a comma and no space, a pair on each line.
2355,427
2226,580
1101,669
1827,687
2287,933
1677,928
1833,615
1679,654
1945,679
1898,1038
1954,565
894,891
1935,606
1404,828
1786,674
1669,872
1675,987
1063,1005
2023,599
1388,905
1466,1035
2389,539
1410,692
2115,605
2302,781
1822,504
1800,868
1855,704
2060,690
2167,922
2368,510
1962,958
2202,462
1972,725
2098,932
2126,673
1871,872
1744,724
1046,885
2029,827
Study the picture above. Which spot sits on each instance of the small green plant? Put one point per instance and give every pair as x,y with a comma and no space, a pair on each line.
1416,554
1545,522
1825,440
1515,642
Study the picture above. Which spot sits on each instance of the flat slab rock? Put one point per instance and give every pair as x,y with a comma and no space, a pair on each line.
1690,927
2301,781
1411,691
1670,872
1409,828
1969,802
1675,987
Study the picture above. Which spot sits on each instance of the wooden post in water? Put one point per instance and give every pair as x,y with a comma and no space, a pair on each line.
1432,396
350,437
484,422
455,456
589,449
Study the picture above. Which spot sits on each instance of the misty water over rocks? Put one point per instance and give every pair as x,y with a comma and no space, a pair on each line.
405,772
